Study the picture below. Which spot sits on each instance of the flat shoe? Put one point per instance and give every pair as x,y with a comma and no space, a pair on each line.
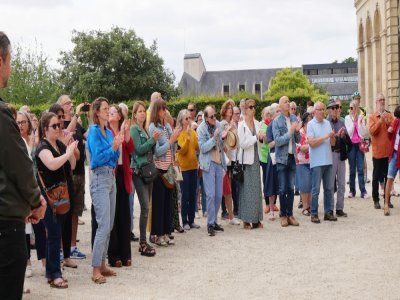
59,285
99,279
108,273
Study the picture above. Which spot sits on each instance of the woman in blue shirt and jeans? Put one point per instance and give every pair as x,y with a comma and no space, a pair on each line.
104,153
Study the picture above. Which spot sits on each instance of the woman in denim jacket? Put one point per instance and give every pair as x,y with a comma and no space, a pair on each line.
163,157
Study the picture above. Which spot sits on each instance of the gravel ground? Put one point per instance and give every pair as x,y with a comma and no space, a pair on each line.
354,258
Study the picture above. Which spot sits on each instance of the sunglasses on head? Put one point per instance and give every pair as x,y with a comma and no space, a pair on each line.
55,126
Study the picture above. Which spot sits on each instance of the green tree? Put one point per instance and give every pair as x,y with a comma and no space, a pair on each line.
115,64
32,80
295,85
349,60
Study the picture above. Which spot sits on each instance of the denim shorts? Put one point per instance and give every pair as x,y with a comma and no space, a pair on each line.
392,170
304,172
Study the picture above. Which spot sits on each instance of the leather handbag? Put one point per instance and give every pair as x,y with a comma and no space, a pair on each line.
238,168
169,177
148,172
57,196
364,146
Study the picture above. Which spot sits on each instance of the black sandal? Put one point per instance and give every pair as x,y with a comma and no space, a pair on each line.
179,229
146,250
306,212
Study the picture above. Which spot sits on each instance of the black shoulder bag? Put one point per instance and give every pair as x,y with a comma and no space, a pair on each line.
238,168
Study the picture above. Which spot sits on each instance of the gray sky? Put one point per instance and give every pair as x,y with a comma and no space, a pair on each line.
230,35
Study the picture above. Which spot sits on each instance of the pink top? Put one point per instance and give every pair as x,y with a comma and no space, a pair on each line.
355,139
302,158
164,164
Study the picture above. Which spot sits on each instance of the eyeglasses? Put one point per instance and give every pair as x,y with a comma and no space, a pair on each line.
251,107
61,117
351,107
23,122
293,108
212,117
55,126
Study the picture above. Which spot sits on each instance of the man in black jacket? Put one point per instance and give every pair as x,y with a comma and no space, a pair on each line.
20,199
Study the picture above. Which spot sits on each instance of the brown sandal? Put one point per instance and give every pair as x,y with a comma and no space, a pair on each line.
59,285
246,225
99,279
108,272
146,250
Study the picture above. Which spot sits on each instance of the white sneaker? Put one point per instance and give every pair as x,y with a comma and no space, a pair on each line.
195,226
234,221
366,196
28,271
271,216
186,227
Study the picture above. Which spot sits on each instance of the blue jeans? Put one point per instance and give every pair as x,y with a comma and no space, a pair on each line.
103,192
189,196
54,233
323,173
212,181
356,160
286,175
200,188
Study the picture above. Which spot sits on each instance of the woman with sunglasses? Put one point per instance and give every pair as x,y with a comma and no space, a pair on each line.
163,158
357,129
119,248
187,160
54,160
250,208
104,152
66,139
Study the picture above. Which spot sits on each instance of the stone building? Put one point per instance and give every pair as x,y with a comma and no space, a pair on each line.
378,50
339,80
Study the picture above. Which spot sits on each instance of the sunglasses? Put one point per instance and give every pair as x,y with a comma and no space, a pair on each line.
212,117
191,109
55,126
351,107
61,117
23,122
251,107
334,107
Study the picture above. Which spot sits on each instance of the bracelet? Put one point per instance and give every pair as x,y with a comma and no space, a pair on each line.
77,116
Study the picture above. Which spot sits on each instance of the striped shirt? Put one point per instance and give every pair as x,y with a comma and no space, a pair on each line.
164,164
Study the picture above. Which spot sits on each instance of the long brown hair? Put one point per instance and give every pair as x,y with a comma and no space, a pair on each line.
121,115
44,123
96,108
135,108
157,106
224,107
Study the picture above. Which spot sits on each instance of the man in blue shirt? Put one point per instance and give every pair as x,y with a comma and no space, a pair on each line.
320,138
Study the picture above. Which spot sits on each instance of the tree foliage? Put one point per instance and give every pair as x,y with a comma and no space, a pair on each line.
295,85
349,60
32,80
115,64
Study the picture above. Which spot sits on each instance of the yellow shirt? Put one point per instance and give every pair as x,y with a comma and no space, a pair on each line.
187,149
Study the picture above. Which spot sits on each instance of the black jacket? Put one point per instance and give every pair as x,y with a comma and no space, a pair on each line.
19,191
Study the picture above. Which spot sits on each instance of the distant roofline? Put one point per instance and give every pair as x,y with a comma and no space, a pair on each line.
331,65
245,70
192,55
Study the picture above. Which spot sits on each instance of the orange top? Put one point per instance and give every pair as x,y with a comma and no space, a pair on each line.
379,135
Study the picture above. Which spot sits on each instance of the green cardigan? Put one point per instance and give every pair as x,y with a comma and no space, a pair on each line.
143,145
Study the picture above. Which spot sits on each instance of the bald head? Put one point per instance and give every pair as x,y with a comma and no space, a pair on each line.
284,104
155,96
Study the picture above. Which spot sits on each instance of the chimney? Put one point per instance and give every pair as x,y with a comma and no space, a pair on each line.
194,65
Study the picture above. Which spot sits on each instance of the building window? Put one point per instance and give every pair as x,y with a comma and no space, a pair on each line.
311,72
257,89
242,87
324,71
226,91
339,71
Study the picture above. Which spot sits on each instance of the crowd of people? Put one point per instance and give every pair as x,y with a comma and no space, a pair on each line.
177,168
